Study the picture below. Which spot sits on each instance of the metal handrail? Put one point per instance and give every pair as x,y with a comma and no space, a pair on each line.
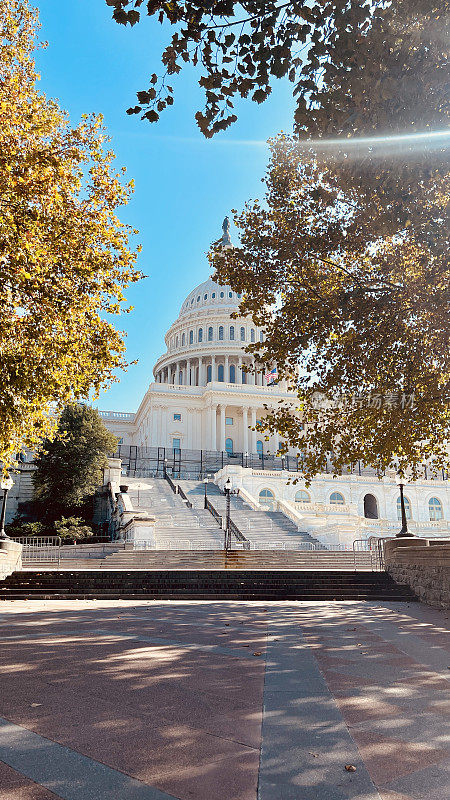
214,512
182,494
171,483
239,535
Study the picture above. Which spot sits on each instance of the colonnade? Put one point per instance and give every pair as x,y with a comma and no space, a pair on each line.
201,370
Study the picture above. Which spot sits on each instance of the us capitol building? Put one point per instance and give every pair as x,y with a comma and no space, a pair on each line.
199,414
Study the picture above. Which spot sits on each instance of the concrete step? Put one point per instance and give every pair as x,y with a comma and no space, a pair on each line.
203,584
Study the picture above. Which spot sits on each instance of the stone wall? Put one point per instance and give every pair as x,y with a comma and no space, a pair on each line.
10,557
424,565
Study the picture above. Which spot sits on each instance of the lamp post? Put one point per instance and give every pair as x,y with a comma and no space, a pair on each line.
165,468
205,481
404,529
5,484
246,460
227,538
228,489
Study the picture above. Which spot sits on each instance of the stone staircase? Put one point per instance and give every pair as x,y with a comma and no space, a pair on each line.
259,527
195,584
176,524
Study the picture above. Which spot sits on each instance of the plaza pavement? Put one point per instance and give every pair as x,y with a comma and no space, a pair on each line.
153,700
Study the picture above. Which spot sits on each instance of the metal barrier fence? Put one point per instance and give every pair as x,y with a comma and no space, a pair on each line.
151,462
40,549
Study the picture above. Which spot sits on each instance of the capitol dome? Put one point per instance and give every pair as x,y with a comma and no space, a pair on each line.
210,295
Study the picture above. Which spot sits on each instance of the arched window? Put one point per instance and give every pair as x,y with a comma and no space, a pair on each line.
176,341
198,299
435,508
191,337
244,377
200,334
222,294
221,333
230,294
205,297
370,507
259,447
252,335
302,497
220,373
183,339
407,508
336,499
232,333
213,295
209,373
266,499
261,336
242,334
229,446
210,334
232,373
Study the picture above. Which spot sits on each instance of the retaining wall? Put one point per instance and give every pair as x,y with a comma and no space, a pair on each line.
422,564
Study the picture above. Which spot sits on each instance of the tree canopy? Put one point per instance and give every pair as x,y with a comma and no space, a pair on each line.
65,257
69,469
355,303
355,67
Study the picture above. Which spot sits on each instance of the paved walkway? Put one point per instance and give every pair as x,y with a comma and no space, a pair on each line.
106,700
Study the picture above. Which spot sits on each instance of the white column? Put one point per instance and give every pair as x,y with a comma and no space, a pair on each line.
226,377
222,427
163,427
239,375
245,426
253,433
155,427
188,373
200,371
213,368
213,442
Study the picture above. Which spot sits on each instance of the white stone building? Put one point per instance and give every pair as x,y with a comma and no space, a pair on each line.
198,417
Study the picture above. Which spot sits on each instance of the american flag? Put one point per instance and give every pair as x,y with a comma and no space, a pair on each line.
270,377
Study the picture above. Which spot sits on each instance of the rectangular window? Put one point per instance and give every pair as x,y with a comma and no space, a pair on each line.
176,444
228,420
177,417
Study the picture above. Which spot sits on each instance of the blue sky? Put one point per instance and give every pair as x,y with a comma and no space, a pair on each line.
184,185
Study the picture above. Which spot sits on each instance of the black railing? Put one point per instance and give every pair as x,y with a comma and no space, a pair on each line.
171,483
182,494
239,535
214,512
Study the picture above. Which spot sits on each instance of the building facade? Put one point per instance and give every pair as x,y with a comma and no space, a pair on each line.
207,393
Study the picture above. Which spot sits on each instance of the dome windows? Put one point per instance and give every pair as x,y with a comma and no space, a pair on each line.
191,337
230,294
222,294
210,334
252,335
213,295
200,334
205,297
220,333
231,333
198,299
183,340
242,334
